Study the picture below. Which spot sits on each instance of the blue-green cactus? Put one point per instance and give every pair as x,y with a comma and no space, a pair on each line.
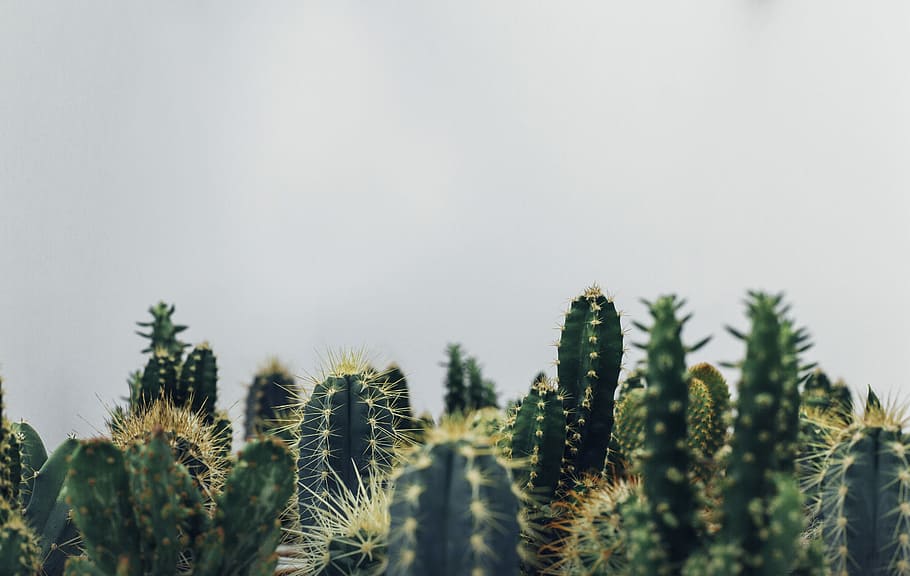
454,510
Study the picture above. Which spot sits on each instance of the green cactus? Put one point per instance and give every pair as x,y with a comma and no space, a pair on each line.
163,332
197,385
665,458
19,548
590,358
720,399
350,536
592,537
761,449
141,514
863,488
32,455
200,447
270,399
481,392
537,440
158,379
456,400
346,432
48,513
454,510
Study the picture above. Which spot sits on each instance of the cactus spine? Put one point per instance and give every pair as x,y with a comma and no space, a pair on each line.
269,400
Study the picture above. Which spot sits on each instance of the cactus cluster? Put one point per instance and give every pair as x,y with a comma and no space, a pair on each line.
669,477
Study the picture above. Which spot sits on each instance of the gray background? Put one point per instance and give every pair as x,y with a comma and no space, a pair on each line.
300,177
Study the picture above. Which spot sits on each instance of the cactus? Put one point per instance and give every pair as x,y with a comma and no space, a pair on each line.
863,494
590,358
141,514
481,392
537,440
269,399
163,332
158,379
454,510
19,549
350,535
198,446
197,386
346,432
592,536
456,391
716,433
32,455
665,459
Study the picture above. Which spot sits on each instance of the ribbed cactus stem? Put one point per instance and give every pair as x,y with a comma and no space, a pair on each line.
590,358
346,433
197,386
454,511
538,440
666,457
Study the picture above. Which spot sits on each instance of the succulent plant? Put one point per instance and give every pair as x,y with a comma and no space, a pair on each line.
346,432
162,332
270,400
454,509
141,514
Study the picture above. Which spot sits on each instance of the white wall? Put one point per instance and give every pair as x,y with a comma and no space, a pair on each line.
299,177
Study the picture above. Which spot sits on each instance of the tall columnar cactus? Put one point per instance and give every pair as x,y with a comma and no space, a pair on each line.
19,549
456,398
346,432
197,385
537,440
820,395
762,452
863,494
158,379
590,358
269,399
666,457
454,510
140,513
704,435
404,420
162,332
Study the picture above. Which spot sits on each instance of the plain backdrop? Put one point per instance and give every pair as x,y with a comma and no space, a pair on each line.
302,177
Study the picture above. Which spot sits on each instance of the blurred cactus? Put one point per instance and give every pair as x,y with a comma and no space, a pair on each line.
162,332
196,445
466,388
454,510
270,399
140,513
862,488
592,538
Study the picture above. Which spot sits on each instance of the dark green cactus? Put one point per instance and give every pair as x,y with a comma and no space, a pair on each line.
481,392
456,400
197,385
454,510
762,450
48,512
269,400
863,487
590,358
403,414
158,379
346,433
19,549
537,440
163,332
720,399
666,457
